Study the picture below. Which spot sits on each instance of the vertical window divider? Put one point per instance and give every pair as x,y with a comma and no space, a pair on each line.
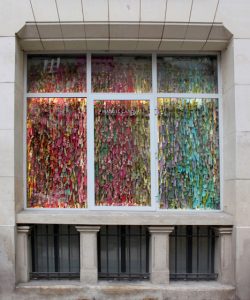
25,133
154,137
90,139
220,128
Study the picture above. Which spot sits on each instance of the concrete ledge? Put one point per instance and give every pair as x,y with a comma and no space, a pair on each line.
87,217
125,291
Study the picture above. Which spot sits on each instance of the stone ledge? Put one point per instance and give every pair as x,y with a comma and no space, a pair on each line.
125,291
163,218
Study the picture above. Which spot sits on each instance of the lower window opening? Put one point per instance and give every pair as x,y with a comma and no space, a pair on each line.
55,252
123,253
192,250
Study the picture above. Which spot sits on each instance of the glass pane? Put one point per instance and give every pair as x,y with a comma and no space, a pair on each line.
122,153
56,152
188,153
121,74
53,74
184,74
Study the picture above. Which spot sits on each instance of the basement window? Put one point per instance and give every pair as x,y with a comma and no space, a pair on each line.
123,253
192,252
55,252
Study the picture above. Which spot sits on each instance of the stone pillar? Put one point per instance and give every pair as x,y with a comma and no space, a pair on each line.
224,265
159,253
22,254
88,253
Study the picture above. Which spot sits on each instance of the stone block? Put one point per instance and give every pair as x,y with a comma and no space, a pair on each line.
178,10
7,260
228,112
229,157
14,14
95,10
7,152
7,106
242,60
229,196
203,11
7,211
45,11
242,205
242,155
7,59
124,10
242,107
153,12
242,263
70,10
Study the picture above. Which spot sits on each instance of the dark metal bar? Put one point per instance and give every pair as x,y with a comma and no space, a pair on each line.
56,247
69,244
99,234
123,249
193,276
208,246
33,243
175,249
147,251
189,257
140,248
212,251
55,275
107,248
118,250
129,251
198,250
47,246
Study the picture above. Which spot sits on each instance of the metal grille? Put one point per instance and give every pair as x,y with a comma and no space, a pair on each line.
123,252
55,252
192,253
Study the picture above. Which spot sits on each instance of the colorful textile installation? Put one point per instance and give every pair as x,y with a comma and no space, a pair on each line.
56,152
122,153
187,74
188,153
121,74
48,74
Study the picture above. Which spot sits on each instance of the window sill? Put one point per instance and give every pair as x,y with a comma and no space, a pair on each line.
88,217
143,290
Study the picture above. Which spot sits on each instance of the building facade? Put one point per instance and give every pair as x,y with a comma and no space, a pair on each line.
124,134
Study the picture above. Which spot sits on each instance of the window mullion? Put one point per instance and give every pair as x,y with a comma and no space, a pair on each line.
90,139
154,135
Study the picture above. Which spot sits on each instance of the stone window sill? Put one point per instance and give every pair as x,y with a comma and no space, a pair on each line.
165,218
132,290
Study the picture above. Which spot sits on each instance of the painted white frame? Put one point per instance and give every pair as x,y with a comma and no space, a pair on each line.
152,97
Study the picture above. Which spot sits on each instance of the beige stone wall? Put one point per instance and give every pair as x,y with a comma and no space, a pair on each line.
7,190
236,107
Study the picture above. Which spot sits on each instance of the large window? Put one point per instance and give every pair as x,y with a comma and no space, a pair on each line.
122,152
122,132
188,153
56,149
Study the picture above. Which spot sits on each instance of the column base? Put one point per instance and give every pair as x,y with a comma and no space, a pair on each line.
89,277
159,277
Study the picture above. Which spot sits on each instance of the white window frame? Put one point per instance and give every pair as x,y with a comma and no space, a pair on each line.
152,98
